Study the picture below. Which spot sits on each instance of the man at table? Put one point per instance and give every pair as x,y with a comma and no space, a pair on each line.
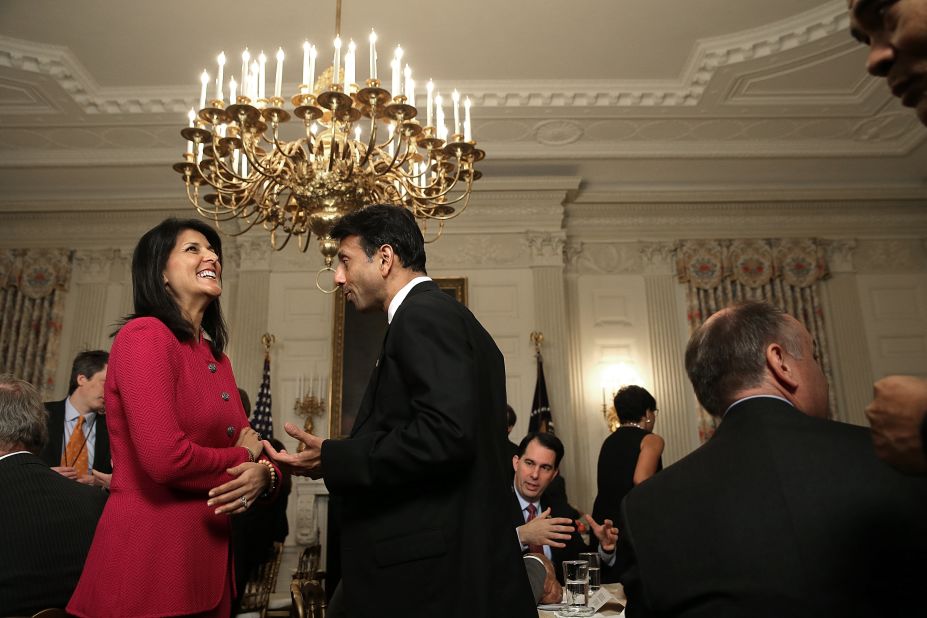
544,526
782,512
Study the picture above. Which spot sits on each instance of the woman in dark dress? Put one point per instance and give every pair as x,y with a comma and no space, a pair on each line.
630,456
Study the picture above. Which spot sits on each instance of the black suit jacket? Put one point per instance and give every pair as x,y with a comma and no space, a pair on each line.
574,546
47,524
778,514
51,454
424,501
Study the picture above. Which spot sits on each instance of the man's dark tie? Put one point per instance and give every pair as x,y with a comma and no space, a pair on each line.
532,513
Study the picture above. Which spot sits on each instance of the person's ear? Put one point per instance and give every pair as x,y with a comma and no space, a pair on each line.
781,365
515,462
81,380
386,257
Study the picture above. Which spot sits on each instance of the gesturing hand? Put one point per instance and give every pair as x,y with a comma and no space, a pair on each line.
308,462
546,530
896,414
606,532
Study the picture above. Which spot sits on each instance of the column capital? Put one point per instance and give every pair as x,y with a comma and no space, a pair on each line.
658,258
840,255
546,248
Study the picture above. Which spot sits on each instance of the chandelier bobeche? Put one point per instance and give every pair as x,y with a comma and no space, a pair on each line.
357,146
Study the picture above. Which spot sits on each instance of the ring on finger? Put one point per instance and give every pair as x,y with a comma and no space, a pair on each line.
244,501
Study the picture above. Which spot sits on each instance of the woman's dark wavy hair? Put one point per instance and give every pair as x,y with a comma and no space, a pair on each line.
150,297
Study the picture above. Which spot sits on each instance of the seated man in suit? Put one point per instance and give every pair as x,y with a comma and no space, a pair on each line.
47,520
545,527
78,443
782,512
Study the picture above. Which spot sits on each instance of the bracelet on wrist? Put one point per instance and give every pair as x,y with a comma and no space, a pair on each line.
250,454
273,478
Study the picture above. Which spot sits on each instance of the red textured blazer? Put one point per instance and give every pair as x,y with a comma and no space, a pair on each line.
174,415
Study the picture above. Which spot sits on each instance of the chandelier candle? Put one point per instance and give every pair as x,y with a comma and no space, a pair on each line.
373,54
221,61
278,78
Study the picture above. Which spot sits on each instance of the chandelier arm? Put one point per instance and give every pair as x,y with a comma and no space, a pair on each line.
372,140
440,233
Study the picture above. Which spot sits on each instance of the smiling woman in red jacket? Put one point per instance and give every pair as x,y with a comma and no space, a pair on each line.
184,456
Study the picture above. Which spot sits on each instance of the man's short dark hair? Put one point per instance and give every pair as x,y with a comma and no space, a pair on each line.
87,364
383,224
632,403
727,354
510,417
545,439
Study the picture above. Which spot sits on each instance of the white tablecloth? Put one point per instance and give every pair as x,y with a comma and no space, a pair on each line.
610,609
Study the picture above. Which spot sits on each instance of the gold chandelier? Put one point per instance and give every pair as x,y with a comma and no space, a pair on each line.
356,146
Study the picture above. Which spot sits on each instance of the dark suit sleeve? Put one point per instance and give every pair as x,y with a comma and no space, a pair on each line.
51,452
630,577
430,351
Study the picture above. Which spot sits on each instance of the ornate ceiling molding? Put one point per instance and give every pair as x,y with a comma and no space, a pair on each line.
707,57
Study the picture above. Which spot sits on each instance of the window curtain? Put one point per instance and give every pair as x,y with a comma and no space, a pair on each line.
33,285
785,272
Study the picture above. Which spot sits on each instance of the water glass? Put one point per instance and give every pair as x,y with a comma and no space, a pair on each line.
594,570
576,578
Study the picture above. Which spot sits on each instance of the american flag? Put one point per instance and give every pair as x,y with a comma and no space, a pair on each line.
263,421
541,419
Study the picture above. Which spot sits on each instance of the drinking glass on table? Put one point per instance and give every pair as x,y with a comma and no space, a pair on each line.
576,578
594,570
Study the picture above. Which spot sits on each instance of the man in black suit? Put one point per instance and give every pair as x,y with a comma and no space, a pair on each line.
424,503
85,399
782,512
47,521
546,526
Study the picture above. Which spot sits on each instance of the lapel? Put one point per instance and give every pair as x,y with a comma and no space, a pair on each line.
366,406
368,402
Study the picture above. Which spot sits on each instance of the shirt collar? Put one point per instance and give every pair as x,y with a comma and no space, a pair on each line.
401,296
15,453
71,413
755,397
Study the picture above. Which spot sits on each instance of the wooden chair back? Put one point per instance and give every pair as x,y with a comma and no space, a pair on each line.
258,589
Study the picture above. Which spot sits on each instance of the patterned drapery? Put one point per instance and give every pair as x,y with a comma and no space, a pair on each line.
784,272
33,284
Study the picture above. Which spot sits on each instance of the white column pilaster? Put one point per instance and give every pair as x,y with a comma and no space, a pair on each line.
676,421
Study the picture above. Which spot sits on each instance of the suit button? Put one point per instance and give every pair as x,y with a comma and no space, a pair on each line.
225,396
230,430
212,367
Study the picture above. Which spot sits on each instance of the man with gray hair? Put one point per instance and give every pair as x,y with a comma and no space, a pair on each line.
782,512
47,520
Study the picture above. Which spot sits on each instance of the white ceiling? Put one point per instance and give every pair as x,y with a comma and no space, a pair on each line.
670,96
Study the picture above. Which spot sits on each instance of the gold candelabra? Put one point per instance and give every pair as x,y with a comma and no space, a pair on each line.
358,145
308,406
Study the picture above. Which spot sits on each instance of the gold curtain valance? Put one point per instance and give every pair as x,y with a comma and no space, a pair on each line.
36,272
752,262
